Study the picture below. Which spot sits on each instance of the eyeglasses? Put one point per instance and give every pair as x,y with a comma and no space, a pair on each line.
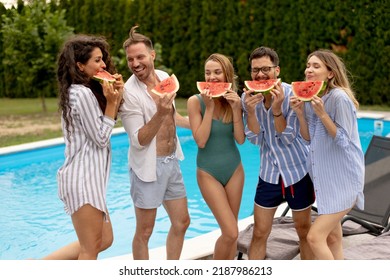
265,69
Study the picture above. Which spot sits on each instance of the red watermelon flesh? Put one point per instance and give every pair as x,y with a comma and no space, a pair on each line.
168,85
263,86
307,89
216,89
104,76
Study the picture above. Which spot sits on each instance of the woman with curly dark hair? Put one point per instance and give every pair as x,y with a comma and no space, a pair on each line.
89,109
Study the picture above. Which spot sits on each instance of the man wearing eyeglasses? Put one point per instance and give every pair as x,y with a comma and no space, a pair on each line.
271,124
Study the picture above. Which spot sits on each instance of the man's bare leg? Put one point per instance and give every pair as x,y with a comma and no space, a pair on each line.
145,223
180,220
262,228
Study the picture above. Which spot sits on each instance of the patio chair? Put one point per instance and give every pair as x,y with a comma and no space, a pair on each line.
376,213
375,216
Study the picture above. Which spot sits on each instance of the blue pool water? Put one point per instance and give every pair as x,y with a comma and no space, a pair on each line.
33,222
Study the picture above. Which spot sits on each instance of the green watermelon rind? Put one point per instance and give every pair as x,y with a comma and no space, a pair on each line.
224,87
105,76
263,91
168,80
304,98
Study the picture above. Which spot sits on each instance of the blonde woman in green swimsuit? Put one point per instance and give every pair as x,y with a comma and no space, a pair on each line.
217,126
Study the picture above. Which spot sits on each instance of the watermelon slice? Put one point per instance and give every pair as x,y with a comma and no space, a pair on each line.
216,89
306,90
168,85
104,76
263,86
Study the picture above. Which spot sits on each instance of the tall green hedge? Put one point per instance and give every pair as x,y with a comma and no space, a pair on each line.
190,30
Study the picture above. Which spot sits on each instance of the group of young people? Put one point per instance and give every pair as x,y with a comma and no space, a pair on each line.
308,151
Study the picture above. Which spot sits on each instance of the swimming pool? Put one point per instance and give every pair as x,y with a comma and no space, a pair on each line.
33,222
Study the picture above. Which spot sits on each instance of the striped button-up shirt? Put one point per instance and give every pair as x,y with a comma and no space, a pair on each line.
281,154
336,165
83,178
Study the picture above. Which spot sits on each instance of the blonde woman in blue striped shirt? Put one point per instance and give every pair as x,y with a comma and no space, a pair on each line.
336,159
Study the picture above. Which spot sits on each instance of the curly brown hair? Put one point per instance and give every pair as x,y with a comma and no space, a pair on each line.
78,49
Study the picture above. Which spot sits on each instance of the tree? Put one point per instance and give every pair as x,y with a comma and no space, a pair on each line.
33,39
2,88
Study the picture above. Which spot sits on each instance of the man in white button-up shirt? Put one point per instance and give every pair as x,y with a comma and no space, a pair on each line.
150,121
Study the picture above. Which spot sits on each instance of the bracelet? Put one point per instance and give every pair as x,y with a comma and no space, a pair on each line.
278,115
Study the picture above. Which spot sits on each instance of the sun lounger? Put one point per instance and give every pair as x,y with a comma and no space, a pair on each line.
376,213
377,248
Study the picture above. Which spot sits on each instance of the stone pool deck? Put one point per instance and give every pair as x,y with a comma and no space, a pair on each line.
383,115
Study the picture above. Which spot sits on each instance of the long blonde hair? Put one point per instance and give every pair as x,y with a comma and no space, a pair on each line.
230,77
340,74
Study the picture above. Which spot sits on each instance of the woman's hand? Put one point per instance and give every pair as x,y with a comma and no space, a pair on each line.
318,106
113,97
110,93
118,84
207,99
297,105
233,99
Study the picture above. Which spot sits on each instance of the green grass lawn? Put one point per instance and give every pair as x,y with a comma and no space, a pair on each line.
26,106
21,113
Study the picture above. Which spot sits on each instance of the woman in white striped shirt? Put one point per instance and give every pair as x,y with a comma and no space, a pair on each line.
89,110
336,159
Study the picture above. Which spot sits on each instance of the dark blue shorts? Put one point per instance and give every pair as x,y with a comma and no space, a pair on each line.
298,196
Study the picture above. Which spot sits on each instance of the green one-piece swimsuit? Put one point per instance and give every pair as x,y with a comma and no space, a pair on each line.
220,156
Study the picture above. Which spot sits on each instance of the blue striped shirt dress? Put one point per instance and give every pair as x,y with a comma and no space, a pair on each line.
336,165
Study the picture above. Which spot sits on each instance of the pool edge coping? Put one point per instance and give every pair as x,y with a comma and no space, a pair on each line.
43,144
